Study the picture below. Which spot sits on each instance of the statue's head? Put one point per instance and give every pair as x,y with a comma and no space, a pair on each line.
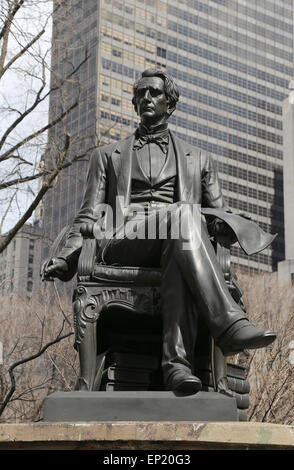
155,96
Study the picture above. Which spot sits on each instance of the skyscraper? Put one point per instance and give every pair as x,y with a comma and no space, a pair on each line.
286,267
232,60
20,263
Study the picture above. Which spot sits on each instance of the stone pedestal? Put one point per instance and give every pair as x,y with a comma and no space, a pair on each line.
138,406
153,436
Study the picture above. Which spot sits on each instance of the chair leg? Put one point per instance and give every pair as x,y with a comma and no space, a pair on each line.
99,370
219,370
87,351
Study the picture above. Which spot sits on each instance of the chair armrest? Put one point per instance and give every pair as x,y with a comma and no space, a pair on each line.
223,255
88,252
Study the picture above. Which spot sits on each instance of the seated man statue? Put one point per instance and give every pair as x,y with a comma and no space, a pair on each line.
170,180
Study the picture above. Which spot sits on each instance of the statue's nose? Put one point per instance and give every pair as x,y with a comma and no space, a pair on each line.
147,95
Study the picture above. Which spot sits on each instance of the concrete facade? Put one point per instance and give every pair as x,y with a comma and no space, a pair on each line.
286,267
288,134
20,263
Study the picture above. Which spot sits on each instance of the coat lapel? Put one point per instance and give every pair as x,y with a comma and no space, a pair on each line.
122,163
185,168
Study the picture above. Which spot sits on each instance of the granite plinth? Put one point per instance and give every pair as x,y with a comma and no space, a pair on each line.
138,406
146,435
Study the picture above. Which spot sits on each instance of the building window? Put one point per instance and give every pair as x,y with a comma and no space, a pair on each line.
116,53
30,286
115,101
161,52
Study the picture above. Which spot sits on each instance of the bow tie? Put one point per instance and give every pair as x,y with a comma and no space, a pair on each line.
160,139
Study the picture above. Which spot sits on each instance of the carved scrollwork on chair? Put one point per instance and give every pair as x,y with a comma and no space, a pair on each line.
86,309
90,299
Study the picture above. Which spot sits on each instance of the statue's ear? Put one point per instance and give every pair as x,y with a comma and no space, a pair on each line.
135,105
170,109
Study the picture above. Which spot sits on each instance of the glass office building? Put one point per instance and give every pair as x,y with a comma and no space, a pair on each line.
232,60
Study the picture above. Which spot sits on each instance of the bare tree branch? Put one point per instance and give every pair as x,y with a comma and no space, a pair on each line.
21,180
6,155
20,47
7,209
10,16
4,68
28,111
23,361
41,174
47,182
60,305
23,115
271,376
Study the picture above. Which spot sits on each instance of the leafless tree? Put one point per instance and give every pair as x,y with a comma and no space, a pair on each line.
38,354
270,304
29,82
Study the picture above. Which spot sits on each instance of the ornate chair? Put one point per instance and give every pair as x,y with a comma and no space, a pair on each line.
123,305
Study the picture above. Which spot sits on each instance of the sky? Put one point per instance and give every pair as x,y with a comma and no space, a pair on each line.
18,89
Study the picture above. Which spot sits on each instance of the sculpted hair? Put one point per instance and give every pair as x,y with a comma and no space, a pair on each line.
170,87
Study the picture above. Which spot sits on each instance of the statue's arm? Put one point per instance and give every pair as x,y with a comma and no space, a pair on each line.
210,185
95,194
224,223
213,198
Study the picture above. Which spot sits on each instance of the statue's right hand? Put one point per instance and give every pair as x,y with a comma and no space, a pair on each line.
57,267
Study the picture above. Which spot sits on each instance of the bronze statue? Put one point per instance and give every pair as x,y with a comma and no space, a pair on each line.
170,180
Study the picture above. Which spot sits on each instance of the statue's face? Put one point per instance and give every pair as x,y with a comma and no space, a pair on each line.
151,101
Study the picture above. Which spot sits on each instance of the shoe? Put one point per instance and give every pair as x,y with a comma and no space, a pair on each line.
182,381
243,335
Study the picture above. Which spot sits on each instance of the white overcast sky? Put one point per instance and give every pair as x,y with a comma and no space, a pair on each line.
17,90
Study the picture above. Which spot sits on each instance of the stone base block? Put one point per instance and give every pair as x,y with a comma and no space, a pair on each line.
138,406
153,436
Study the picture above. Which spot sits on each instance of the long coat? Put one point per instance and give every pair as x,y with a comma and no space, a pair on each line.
109,183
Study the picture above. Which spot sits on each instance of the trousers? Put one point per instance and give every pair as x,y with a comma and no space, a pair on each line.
175,238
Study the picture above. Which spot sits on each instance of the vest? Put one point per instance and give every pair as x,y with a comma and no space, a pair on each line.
162,188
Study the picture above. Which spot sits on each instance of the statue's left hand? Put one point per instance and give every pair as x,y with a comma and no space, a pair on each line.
57,267
219,228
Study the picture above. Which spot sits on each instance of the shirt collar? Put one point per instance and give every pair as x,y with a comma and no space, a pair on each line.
154,130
